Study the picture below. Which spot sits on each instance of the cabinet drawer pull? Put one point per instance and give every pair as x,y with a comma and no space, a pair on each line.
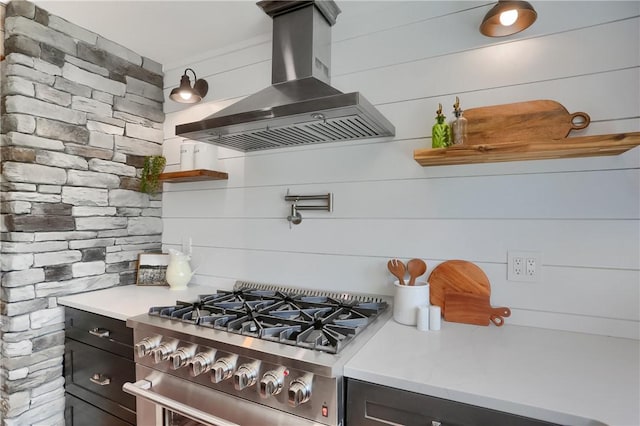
100,379
100,332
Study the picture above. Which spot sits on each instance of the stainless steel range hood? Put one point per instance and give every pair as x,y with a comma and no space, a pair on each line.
300,107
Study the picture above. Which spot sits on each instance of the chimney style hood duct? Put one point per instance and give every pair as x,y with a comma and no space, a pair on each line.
300,107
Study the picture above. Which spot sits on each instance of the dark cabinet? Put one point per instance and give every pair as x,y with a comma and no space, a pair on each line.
98,361
77,412
369,404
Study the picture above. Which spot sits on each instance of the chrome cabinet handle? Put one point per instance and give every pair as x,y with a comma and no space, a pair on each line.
141,389
100,379
99,332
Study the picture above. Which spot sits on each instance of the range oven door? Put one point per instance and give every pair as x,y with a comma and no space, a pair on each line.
166,400
158,410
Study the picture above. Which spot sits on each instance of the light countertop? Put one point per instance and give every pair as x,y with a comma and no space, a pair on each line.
128,301
563,377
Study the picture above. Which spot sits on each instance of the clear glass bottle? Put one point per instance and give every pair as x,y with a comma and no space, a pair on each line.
440,134
458,125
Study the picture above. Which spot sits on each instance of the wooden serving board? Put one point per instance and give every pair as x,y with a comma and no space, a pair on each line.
473,309
540,119
457,276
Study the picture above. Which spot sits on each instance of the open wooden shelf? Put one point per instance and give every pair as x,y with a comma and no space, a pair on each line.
193,176
583,146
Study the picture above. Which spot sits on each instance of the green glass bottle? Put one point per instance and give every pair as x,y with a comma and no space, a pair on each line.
440,134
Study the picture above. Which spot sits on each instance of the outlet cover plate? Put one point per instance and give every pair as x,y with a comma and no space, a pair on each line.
523,265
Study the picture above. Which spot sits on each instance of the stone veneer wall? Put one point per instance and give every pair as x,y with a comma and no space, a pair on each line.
79,113
2,10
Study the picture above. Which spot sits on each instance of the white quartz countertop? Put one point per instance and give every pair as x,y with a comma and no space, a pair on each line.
128,301
562,377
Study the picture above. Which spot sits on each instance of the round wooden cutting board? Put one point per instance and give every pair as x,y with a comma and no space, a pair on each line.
457,276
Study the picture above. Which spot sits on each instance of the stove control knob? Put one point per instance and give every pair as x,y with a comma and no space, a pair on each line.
181,356
162,352
144,346
223,368
201,363
246,376
272,382
300,390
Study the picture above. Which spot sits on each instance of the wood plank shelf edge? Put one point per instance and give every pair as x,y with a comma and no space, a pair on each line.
198,175
582,146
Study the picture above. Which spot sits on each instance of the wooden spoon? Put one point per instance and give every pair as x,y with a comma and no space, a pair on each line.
397,268
416,267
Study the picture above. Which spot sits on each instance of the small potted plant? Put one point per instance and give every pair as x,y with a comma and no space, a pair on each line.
153,166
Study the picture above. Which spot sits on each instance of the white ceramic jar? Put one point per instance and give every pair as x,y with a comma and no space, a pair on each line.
407,299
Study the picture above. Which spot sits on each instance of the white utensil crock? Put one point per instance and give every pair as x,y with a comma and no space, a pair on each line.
407,299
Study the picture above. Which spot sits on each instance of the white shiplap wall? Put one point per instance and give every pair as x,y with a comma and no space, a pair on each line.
583,215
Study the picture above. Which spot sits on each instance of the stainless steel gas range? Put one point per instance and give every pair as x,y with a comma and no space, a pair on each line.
257,355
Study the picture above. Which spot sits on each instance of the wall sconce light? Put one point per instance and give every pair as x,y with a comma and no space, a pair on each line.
185,94
508,17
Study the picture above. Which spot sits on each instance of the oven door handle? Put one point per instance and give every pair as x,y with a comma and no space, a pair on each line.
141,389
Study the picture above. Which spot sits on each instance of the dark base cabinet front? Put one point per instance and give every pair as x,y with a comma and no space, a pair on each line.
369,404
80,413
98,360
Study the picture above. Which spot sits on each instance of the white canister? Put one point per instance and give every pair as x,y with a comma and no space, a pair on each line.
187,155
407,299
205,156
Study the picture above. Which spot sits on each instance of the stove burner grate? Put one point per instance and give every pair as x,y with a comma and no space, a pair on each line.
320,322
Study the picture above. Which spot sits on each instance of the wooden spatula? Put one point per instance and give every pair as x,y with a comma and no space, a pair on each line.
397,269
415,268
473,309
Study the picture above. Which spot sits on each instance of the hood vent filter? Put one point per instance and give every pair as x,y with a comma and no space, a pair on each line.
331,130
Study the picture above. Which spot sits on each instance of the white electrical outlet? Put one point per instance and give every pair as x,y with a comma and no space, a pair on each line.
530,267
516,267
523,265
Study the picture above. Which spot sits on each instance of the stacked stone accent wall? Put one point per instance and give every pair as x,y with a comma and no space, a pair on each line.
2,10
79,114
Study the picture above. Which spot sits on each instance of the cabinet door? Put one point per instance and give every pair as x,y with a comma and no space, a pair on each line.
80,413
97,376
369,404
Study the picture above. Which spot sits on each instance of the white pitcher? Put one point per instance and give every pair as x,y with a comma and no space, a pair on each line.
179,271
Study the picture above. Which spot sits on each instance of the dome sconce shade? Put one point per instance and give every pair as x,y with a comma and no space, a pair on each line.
186,94
508,17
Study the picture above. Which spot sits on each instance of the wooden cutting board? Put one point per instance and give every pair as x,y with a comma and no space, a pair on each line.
540,119
457,276
473,309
